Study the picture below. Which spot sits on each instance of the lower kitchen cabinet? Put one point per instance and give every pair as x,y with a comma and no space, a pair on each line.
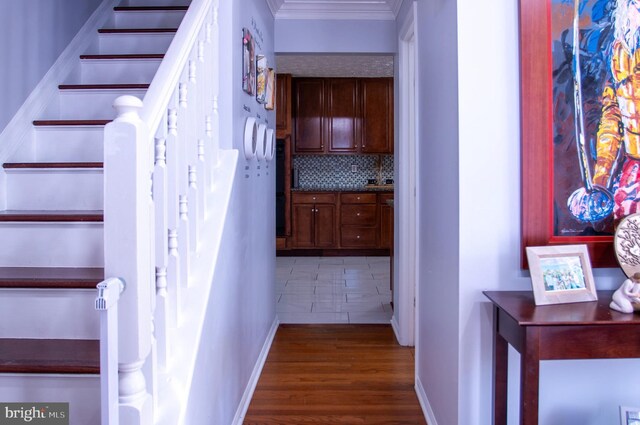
341,220
314,220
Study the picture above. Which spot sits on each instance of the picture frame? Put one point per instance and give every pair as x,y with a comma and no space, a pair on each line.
561,274
262,73
248,62
555,165
271,90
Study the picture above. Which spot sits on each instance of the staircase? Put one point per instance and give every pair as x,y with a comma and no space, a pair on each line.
52,250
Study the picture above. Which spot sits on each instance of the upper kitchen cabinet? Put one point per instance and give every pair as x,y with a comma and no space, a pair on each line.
283,105
309,113
377,115
342,115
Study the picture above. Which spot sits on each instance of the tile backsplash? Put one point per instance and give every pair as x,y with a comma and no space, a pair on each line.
335,171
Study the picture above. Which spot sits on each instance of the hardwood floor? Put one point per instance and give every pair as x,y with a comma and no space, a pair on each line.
336,374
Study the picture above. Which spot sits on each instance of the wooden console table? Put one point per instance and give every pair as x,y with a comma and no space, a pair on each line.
588,330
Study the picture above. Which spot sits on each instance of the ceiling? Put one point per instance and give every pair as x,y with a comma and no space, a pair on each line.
335,9
335,65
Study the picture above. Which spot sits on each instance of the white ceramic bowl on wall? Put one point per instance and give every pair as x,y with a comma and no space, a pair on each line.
250,138
262,141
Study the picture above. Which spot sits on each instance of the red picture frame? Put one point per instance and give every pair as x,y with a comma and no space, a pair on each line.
536,139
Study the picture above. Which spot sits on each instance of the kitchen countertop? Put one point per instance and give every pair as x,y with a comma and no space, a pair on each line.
385,188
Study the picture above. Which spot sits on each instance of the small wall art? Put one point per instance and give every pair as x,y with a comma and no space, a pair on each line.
561,274
261,78
248,62
271,90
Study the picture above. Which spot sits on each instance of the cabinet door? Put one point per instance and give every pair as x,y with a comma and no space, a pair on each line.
386,226
377,115
342,114
309,110
283,105
303,225
325,221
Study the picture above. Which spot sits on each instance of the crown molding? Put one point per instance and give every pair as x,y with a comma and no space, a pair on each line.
332,9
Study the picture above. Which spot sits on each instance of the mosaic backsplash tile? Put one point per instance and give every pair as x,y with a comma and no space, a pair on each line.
334,171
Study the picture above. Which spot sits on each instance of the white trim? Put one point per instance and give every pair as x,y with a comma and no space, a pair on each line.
274,6
424,403
16,132
406,206
395,326
238,419
331,9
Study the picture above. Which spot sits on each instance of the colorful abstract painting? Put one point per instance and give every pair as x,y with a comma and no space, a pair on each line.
596,103
261,79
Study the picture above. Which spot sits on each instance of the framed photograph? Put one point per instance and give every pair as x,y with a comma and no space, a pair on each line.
248,62
561,274
262,73
271,90
579,139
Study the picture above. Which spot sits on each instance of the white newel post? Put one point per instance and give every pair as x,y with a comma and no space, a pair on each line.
127,203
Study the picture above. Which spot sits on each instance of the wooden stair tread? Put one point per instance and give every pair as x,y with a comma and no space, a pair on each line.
74,356
51,216
149,8
70,122
125,56
102,86
50,277
136,30
45,165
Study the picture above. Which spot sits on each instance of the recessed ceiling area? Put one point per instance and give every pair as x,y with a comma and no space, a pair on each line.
335,9
335,65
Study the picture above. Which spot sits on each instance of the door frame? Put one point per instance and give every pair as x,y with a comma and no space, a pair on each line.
406,207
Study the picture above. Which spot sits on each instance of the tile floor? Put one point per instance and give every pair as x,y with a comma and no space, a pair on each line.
333,290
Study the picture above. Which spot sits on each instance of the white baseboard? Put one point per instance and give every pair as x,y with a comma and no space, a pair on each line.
396,328
424,403
255,375
16,131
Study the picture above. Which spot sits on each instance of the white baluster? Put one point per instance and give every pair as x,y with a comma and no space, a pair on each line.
183,241
195,218
173,220
127,206
173,275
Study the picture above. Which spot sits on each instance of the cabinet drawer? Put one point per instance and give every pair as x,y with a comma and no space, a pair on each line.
358,198
357,236
313,198
359,214
384,197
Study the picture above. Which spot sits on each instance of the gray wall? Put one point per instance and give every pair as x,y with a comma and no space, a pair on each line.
33,33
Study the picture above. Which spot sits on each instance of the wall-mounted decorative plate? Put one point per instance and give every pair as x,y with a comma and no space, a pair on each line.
270,147
250,137
260,147
627,244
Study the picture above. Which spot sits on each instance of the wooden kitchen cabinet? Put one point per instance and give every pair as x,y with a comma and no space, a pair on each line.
358,220
386,221
283,105
309,125
314,220
342,115
377,115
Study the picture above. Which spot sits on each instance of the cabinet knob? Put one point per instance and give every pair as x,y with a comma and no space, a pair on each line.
358,214
314,198
358,237
358,198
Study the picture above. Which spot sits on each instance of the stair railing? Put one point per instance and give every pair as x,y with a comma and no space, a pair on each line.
160,154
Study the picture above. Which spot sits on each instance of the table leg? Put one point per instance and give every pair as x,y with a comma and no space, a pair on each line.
530,377
500,365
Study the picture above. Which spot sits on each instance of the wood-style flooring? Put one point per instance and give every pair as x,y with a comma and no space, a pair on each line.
336,374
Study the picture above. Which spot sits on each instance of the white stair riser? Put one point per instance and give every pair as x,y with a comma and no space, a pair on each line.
155,3
92,104
118,71
82,392
69,143
148,19
62,189
134,43
49,313
51,245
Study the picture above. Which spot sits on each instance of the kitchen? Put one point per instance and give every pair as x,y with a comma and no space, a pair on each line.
334,180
